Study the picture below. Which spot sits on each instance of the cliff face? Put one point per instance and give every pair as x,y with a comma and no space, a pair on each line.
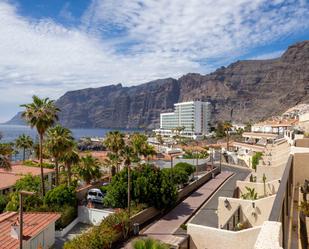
244,90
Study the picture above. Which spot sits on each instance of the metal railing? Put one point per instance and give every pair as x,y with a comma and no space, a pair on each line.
281,209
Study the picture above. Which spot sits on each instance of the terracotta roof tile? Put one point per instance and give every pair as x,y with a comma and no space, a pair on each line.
34,223
9,177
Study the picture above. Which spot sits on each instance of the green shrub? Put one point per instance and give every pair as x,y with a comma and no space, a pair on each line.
255,159
37,164
61,195
149,185
3,202
68,214
104,235
187,167
149,243
28,183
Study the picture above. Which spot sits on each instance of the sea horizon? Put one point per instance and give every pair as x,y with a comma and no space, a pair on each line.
11,132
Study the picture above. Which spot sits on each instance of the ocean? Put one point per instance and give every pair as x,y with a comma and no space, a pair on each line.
11,132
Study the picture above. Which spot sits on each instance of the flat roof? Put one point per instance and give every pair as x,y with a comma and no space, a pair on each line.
34,223
259,135
167,113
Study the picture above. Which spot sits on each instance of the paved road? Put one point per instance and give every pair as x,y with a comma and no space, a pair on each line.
207,215
164,228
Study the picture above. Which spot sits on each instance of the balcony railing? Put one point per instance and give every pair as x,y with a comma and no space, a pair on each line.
281,209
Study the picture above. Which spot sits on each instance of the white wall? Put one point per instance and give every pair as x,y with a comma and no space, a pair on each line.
202,237
271,187
254,215
91,215
49,238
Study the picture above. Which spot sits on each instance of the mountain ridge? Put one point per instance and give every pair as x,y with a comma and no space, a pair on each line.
244,90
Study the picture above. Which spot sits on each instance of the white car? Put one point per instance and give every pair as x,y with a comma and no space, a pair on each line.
95,195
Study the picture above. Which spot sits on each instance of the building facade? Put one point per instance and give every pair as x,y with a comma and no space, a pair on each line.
193,118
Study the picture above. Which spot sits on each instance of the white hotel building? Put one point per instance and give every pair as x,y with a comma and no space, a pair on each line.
193,116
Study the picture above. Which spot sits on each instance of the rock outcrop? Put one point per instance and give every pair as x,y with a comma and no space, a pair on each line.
245,90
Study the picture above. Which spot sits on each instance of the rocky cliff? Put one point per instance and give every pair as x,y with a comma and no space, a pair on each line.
244,90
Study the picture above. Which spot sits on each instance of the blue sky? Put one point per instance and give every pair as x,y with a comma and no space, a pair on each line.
48,47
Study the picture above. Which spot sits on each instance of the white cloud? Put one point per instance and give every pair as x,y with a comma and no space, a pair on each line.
157,39
266,56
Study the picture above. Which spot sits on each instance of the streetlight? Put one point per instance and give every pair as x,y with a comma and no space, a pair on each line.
21,194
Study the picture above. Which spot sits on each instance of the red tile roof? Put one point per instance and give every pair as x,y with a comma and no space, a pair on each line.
9,177
34,223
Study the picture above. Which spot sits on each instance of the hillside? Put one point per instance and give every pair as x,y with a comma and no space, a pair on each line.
245,90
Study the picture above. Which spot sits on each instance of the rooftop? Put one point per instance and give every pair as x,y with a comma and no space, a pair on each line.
34,223
9,177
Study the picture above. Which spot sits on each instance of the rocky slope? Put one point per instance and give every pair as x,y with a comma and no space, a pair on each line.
242,91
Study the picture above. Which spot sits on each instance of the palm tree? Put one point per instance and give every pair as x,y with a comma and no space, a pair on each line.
88,168
70,158
112,161
6,151
114,142
148,151
127,154
138,143
24,142
227,127
41,114
149,243
59,141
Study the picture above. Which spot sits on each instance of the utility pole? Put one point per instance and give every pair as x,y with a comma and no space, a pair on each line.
21,194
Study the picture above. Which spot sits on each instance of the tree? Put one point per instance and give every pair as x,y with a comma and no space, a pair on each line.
148,151
24,142
70,158
88,168
6,151
41,114
27,183
139,145
227,127
220,130
149,243
60,196
114,141
264,184
59,141
112,161
255,159
187,167
127,154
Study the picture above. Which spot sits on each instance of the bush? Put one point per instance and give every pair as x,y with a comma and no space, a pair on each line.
28,183
189,168
61,195
255,159
104,235
68,214
149,243
37,164
3,202
150,186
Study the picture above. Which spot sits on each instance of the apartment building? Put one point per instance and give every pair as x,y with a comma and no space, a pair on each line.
191,119
262,211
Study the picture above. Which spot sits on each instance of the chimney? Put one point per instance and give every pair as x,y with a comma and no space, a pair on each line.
15,230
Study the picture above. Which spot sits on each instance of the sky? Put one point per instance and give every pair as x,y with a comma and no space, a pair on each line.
48,47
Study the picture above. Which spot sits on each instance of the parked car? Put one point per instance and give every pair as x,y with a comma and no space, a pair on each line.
95,195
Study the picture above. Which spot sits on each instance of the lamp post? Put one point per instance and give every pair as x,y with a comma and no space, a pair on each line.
21,194
220,158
